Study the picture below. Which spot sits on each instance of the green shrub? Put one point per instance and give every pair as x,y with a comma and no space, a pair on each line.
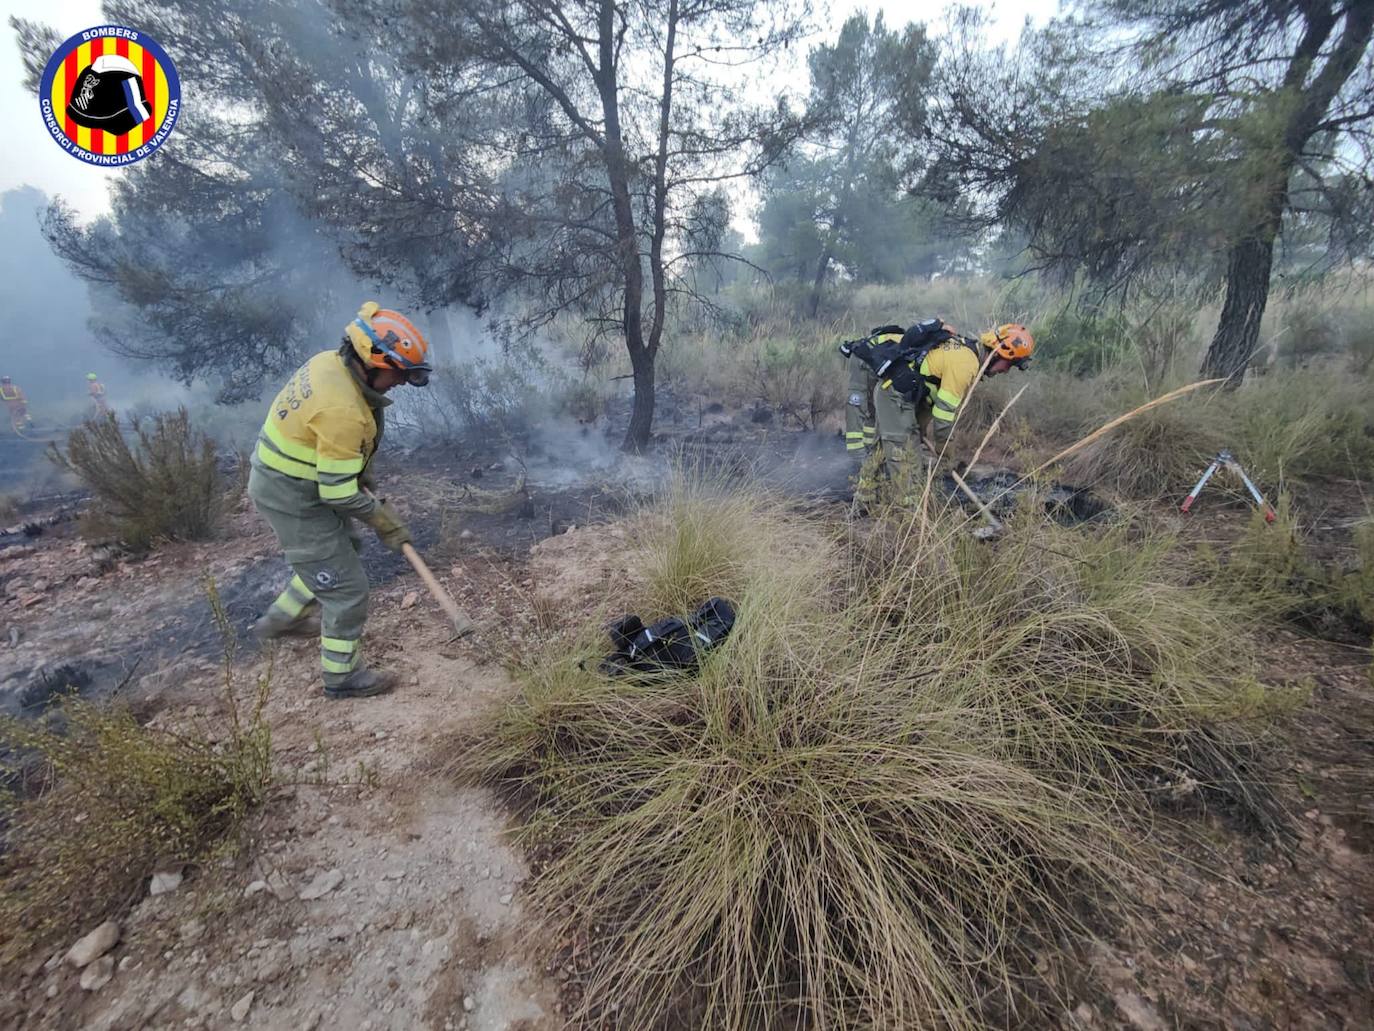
499,396
165,486
801,380
100,799
1081,341
876,800
1164,337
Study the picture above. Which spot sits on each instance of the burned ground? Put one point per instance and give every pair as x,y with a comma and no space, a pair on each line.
1240,928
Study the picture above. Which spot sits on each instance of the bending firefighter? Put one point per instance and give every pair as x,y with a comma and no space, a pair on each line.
16,405
309,478
920,377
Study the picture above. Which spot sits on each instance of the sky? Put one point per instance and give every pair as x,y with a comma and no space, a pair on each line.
32,158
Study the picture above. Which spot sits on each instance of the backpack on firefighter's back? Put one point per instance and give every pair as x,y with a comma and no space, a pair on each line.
897,363
669,645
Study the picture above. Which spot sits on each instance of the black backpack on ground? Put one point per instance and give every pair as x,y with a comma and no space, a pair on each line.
669,645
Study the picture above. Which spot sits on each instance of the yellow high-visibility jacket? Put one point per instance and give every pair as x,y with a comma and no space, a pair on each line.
950,370
323,428
12,393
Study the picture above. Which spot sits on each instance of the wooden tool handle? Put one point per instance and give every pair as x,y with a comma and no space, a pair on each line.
461,623
993,521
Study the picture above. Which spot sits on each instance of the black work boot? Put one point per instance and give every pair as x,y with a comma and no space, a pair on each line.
361,683
274,625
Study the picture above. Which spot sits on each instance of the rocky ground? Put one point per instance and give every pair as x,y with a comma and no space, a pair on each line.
371,892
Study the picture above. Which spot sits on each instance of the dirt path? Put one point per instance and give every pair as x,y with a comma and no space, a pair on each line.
425,927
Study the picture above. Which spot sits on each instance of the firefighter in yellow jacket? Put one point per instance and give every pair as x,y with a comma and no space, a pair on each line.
16,405
860,419
922,379
308,476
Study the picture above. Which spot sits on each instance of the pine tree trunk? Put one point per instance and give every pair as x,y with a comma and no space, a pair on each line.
818,282
642,414
1247,293
1252,256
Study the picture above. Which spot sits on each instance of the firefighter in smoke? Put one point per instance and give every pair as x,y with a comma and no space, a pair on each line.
97,391
860,419
921,377
309,479
16,405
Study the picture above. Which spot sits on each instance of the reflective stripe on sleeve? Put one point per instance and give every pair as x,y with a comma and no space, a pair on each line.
340,465
339,491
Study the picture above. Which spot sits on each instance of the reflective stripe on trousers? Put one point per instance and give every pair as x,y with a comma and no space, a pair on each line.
292,601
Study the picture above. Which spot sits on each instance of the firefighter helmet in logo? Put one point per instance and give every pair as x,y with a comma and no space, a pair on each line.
109,95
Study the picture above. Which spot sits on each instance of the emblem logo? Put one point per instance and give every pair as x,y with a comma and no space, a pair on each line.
110,95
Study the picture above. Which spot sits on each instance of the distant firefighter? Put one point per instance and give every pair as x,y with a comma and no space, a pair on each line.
16,404
97,394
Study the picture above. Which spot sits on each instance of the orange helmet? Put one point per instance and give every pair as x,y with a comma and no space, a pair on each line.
384,339
1011,341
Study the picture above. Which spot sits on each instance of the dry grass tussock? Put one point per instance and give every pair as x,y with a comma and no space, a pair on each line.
92,800
160,481
893,783
1293,426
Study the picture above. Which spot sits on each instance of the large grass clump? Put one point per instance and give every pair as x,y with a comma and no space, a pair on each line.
93,800
1289,426
889,787
160,481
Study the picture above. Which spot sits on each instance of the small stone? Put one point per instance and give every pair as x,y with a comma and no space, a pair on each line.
98,974
506,899
279,886
191,930
164,881
52,990
410,600
274,963
396,874
469,1003
239,1011
94,945
466,535
1138,1011
126,964
486,873
323,884
254,888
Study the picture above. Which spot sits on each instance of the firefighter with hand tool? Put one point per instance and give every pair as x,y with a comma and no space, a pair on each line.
920,379
310,480
16,405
